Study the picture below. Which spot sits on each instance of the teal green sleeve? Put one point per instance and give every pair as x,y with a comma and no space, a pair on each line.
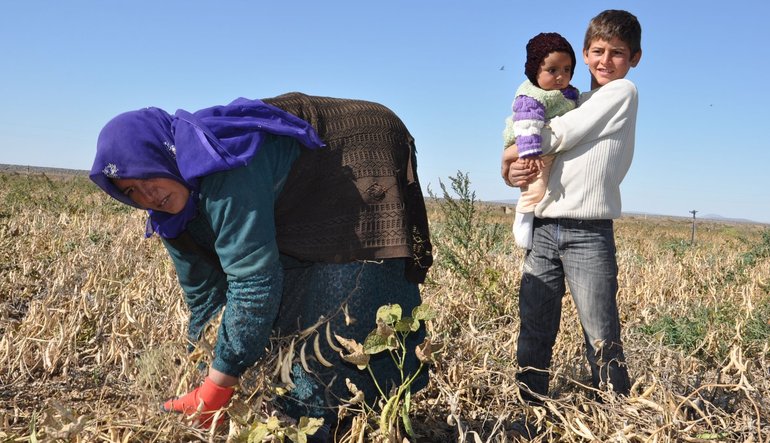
239,206
236,220
204,284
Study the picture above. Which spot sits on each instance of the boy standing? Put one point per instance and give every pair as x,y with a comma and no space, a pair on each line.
573,229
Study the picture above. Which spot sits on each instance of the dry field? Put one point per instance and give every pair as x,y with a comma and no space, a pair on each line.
92,327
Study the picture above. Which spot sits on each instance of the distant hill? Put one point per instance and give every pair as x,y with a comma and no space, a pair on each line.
20,169
705,217
708,217
716,217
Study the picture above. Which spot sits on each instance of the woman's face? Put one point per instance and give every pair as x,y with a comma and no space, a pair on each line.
158,194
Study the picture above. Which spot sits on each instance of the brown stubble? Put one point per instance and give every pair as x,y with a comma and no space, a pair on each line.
93,333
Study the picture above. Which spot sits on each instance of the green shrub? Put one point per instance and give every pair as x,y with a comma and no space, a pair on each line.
466,239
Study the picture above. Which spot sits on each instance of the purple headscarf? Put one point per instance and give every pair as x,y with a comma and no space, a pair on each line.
150,143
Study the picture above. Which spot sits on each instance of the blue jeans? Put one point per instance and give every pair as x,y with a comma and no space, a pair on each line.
582,253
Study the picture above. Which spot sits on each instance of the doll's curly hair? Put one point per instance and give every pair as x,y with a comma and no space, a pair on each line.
538,49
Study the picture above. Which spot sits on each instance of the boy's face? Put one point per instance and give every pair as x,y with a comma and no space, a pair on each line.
609,60
555,72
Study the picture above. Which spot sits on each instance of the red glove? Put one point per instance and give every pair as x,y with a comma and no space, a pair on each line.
207,398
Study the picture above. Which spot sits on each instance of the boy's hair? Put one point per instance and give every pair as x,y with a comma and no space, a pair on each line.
538,49
615,23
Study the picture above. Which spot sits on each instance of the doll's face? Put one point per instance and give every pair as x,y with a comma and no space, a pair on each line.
555,72
159,193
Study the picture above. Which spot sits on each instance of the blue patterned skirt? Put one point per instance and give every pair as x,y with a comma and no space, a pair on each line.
312,290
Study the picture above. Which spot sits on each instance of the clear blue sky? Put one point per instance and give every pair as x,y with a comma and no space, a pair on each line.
68,67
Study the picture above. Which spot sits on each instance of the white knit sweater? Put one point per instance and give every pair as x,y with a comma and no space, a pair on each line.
595,143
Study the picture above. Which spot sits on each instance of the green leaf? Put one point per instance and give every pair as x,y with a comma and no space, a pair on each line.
310,425
258,433
423,313
273,423
375,343
296,435
407,324
389,314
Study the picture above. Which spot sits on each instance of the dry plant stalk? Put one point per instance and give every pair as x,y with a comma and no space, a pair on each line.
93,334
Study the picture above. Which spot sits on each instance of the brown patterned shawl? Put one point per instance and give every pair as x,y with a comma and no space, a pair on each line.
359,198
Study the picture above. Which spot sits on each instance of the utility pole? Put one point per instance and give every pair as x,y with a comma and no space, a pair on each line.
692,238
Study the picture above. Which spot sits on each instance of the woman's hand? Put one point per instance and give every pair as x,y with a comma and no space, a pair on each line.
515,172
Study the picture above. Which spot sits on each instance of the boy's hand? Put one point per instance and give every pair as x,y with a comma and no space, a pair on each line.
514,171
